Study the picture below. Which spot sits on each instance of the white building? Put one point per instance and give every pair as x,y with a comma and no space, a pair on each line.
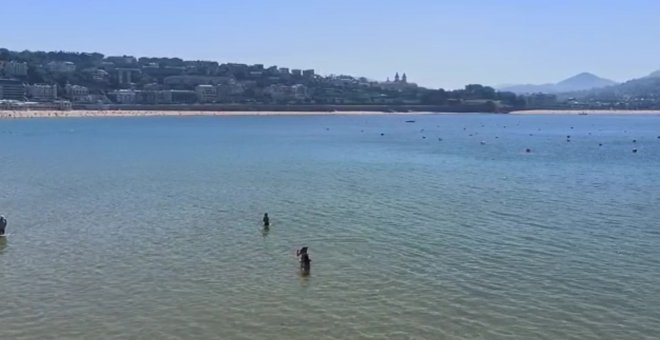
76,92
42,92
124,96
286,93
206,93
299,92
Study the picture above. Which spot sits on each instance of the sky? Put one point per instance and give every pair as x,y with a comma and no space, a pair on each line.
438,43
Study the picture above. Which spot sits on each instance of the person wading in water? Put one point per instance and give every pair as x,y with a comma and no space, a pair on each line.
266,220
305,261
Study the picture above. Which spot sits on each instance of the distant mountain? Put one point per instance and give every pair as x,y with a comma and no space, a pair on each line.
646,87
580,82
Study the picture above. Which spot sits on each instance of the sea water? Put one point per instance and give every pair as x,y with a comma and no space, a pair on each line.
445,228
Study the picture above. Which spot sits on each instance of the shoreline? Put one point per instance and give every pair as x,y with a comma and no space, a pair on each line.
18,114
9,114
584,112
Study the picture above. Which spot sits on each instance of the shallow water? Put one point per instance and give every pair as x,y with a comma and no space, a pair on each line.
149,227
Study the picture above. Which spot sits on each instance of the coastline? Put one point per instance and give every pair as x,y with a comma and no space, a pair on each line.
8,114
585,112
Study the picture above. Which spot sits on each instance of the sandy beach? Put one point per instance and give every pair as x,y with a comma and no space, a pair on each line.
145,113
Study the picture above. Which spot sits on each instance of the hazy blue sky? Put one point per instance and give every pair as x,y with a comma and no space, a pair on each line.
438,43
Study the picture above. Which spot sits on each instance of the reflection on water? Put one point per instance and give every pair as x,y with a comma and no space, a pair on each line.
304,279
3,244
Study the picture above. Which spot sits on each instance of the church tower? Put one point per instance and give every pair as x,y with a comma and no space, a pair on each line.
396,77
404,78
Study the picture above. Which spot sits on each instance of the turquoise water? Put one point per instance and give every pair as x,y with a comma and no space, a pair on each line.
149,227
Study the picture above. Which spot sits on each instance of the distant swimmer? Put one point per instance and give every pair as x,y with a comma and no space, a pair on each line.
266,220
305,262
3,224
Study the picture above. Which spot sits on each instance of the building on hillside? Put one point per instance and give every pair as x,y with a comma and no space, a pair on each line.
61,66
75,92
12,89
285,93
296,72
403,79
308,73
400,82
123,96
121,60
191,81
96,74
125,75
299,92
42,92
13,68
183,96
154,96
206,93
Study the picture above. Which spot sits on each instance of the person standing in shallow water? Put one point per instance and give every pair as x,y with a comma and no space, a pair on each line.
3,224
266,220
305,261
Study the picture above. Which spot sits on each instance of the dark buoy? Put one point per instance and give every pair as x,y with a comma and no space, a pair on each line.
423,137
482,143
600,144
634,150
382,134
528,150
634,140
439,139
568,136
571,128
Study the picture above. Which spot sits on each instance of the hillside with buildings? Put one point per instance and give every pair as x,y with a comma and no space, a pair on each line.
86,79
